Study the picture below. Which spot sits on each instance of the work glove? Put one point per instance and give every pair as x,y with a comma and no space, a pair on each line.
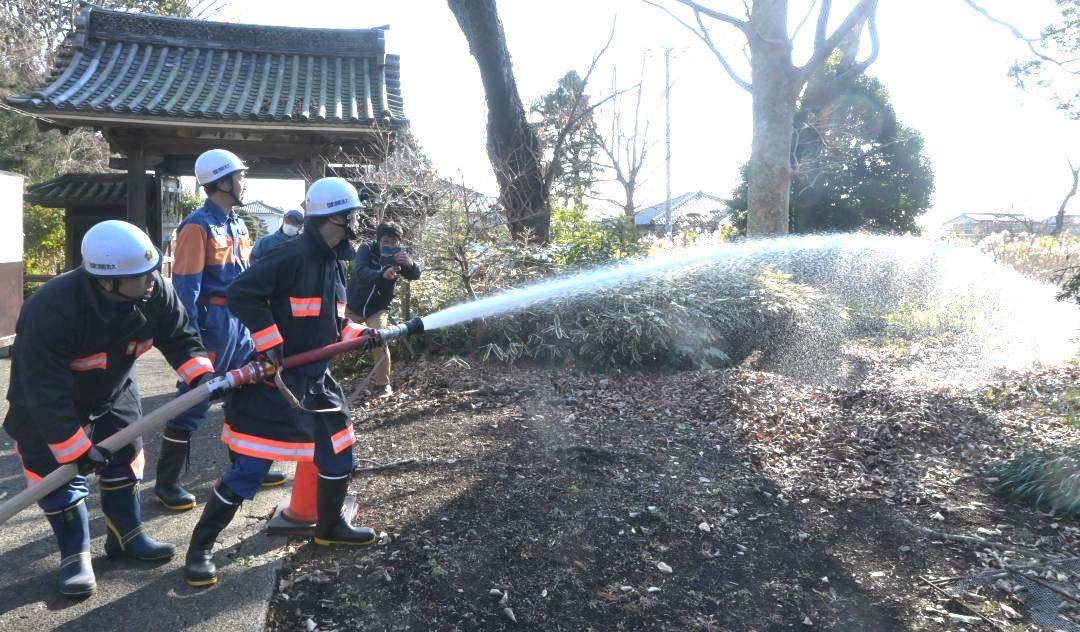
203,379
369,336
275,356
93,460
371,339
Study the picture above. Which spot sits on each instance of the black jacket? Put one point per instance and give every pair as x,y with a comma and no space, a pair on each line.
295,296
74,351
369,292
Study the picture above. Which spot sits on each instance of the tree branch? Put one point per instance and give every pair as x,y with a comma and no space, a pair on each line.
859,13
875,46
742,25
1030,41
703,35
578,116
805,19
822,25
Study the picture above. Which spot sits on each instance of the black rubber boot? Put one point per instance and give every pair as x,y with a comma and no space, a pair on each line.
273,478
331,527
72,531
123,517
199,566
175,445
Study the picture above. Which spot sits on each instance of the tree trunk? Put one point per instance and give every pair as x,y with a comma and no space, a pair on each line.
1059,223
776,85
513,147
628,206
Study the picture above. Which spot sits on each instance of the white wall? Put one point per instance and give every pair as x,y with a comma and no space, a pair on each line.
11,199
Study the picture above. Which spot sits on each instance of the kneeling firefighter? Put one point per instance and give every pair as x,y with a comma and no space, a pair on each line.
72,386
292,301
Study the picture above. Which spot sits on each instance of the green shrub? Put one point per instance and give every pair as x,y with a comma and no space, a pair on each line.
580,242
1046,478
933,324
700,318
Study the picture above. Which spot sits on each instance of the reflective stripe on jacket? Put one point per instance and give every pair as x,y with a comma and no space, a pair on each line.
74,351
295,296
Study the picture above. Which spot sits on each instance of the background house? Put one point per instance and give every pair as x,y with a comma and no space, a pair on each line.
269,216
1071,226
690,211
979,225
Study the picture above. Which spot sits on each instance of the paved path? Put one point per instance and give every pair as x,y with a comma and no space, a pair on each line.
135,595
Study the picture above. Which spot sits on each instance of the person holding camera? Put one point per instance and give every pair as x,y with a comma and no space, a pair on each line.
376,269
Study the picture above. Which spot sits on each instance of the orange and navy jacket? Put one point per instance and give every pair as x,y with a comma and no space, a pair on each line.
296,297
74,351
212,248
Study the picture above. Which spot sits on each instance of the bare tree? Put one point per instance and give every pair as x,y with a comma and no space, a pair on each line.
513,146
775,83
1059,223
625,143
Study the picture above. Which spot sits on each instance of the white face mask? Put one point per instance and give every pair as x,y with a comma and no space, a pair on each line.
290,230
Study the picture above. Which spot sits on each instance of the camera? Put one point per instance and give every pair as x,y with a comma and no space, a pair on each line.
386,255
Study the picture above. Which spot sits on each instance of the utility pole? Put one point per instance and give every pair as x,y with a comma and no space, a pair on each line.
667,141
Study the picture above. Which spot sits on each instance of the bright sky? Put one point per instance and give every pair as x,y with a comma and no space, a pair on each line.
993,147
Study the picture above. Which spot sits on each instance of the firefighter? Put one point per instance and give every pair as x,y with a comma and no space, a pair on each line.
212,248
292,301
72,386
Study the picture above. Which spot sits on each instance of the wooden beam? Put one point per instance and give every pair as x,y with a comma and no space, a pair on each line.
71,249
153,211
136,184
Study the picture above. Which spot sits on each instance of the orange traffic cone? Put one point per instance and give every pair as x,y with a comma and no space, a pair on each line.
297,515
301,507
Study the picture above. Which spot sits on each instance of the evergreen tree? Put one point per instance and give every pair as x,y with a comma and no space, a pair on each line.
856,166
566,108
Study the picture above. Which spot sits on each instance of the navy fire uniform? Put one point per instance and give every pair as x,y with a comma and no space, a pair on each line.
295,297
72,381
72,386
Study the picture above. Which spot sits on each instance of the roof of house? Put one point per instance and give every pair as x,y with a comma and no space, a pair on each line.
120,64
258,207
988,217
83,189
692,202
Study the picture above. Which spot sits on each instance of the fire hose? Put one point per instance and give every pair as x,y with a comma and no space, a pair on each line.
250,373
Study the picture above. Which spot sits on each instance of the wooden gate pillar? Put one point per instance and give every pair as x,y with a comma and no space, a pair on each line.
136,185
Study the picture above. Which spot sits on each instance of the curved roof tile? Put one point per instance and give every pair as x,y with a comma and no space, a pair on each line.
118,62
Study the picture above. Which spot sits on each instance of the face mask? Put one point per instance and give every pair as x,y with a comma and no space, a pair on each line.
290,230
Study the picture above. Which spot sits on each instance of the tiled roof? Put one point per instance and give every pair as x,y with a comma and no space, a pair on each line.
260,207
693,202
83,189
118,63
987,217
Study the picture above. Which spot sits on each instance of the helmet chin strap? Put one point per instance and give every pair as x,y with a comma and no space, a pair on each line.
350,233
236,200
113,288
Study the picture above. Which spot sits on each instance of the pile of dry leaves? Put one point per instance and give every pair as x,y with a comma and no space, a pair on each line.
545,498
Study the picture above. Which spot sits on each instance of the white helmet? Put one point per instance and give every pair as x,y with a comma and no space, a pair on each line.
117,249
330,196
215,164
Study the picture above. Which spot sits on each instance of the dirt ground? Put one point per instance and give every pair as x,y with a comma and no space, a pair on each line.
547,499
